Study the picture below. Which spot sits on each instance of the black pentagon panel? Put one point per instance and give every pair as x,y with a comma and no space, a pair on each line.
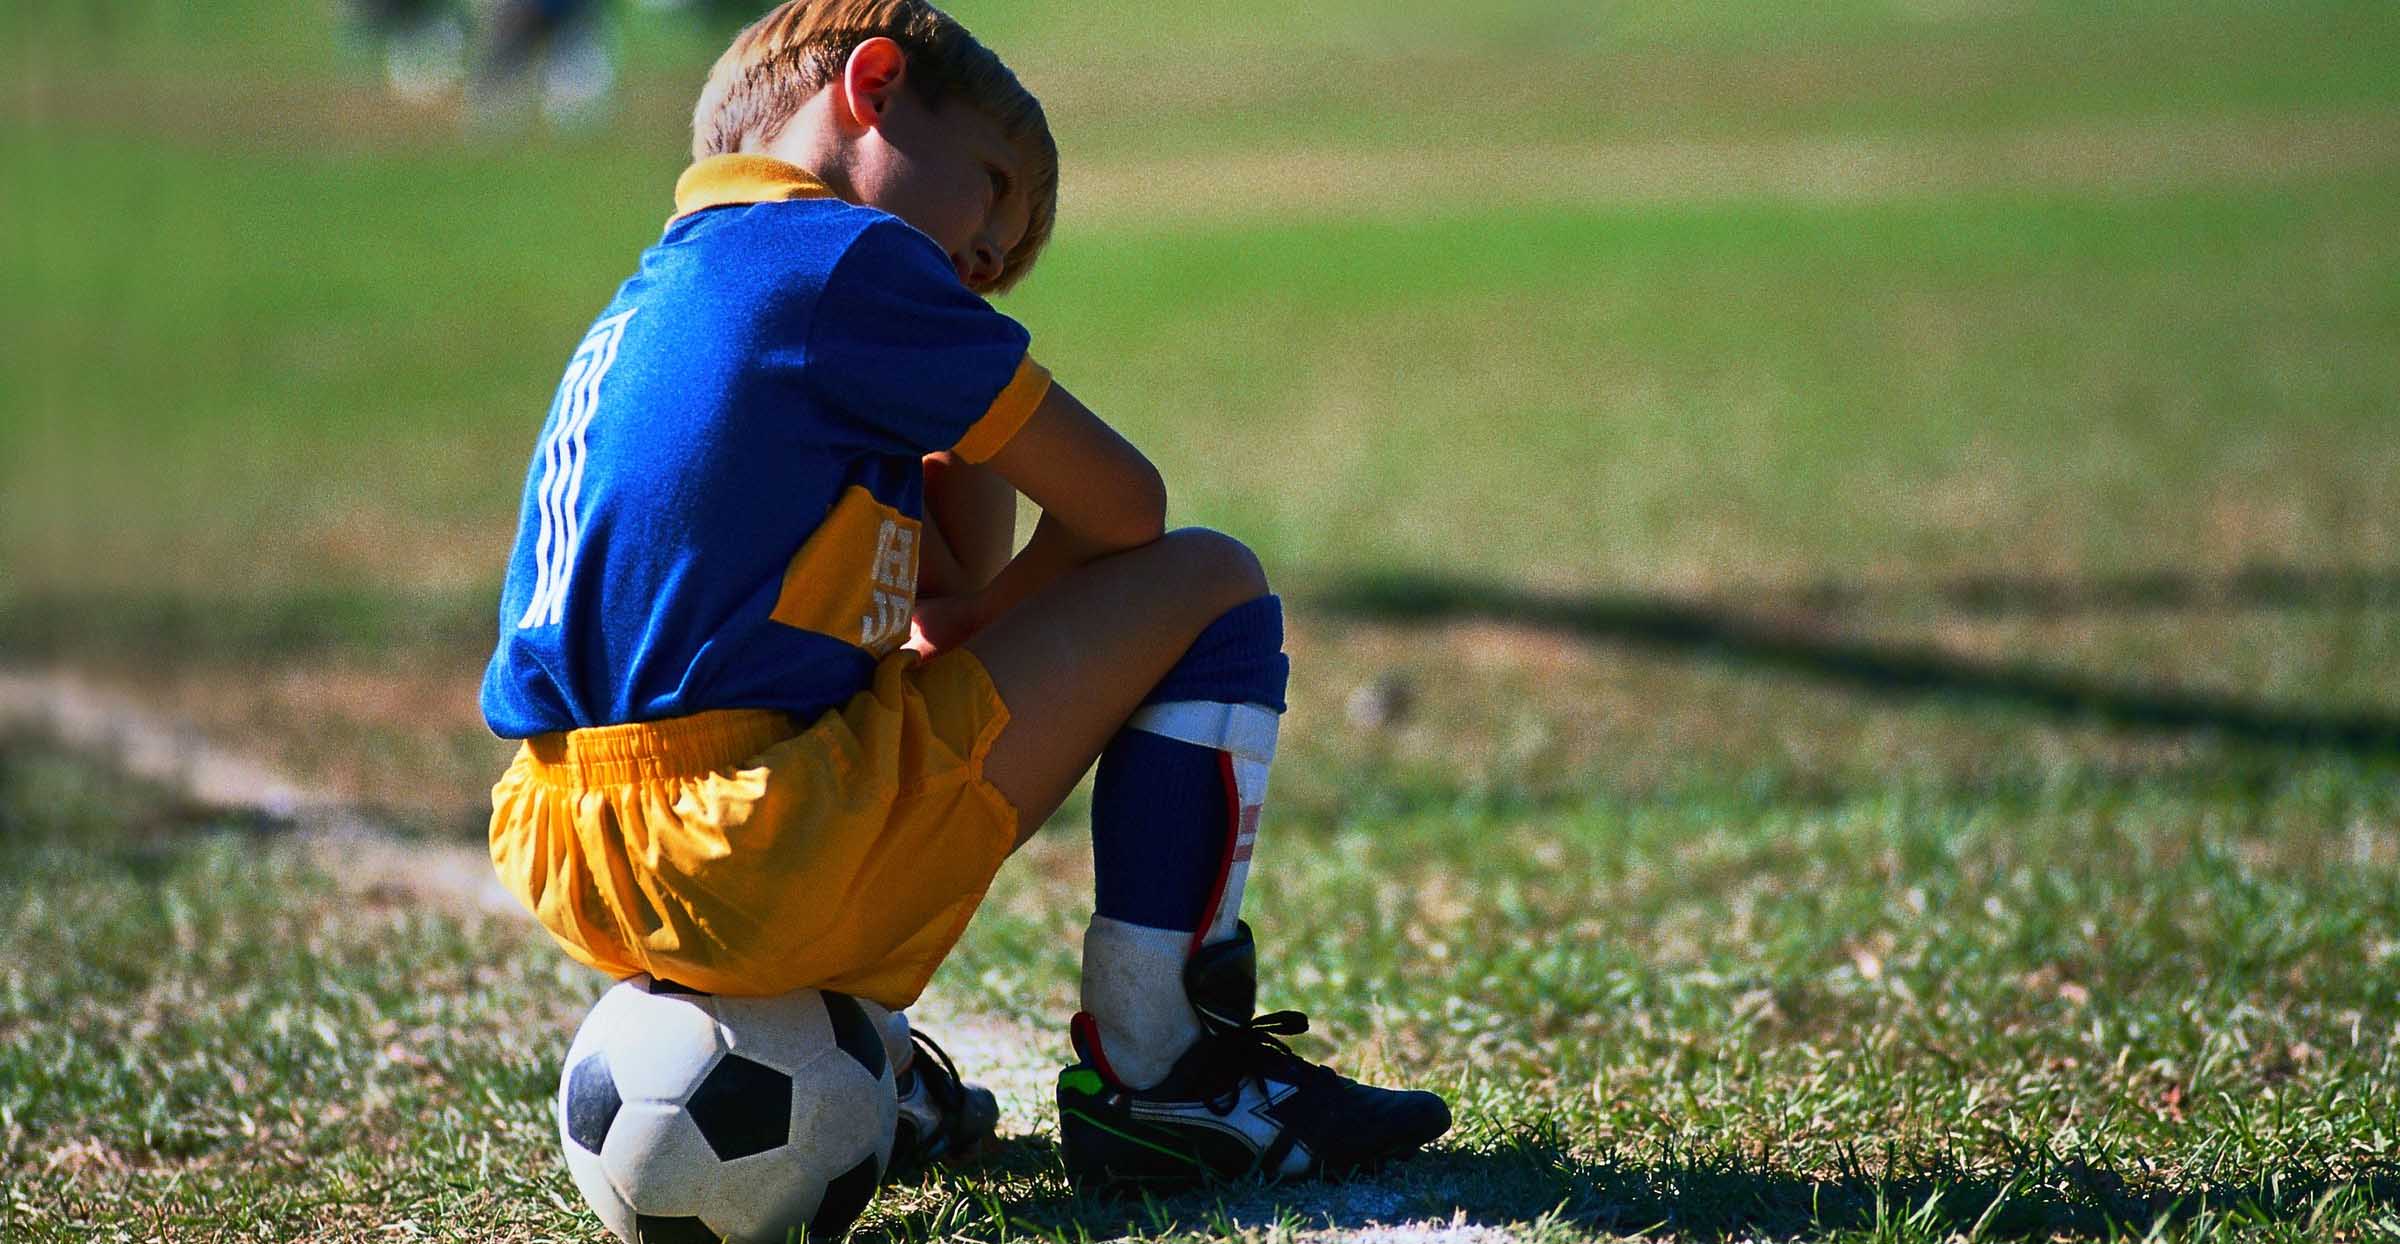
652,1229
591,1102
660,984
845,1199
742,1108
854,1032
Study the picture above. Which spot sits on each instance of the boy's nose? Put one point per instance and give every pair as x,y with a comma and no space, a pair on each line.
978,266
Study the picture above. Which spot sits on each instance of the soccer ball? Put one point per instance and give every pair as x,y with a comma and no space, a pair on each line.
690,1116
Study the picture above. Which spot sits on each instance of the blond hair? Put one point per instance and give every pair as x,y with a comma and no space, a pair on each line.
779,62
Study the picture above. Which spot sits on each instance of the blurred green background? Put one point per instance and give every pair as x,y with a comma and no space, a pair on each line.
1993,333
2004,332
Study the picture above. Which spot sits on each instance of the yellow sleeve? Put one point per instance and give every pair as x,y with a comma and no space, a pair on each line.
1007,413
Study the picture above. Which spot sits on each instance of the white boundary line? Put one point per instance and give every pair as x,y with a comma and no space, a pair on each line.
347,844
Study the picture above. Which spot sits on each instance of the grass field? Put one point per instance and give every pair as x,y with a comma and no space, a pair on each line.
1845,588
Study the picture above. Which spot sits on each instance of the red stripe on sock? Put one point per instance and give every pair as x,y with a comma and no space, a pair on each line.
1233,836
1087,1041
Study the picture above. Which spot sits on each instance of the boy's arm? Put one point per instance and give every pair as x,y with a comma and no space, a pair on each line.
971,526
1098,496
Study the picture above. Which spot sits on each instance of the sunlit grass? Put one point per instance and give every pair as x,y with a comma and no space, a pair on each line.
1888,1015
1659,397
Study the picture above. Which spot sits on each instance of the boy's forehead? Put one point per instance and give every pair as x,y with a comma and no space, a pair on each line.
987,133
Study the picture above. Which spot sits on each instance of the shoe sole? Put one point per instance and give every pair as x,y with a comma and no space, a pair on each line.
1107,1180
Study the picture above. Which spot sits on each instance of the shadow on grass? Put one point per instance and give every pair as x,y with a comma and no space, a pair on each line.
2257,588
352,617
138,629
1717,633
1532,1180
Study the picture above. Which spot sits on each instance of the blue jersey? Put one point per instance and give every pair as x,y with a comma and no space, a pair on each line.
724,505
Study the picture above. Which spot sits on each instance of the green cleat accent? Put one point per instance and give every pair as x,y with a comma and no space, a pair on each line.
1238,1104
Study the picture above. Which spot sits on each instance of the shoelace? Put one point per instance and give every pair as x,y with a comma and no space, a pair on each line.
1250,1052
946,1088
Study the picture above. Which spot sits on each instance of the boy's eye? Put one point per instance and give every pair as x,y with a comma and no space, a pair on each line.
1000,183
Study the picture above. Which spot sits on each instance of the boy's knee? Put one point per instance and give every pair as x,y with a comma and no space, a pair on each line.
1236,659
1210,559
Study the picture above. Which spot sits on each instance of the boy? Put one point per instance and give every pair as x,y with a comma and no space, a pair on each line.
788,702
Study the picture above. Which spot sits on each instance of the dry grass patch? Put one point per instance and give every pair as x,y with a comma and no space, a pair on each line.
2112,156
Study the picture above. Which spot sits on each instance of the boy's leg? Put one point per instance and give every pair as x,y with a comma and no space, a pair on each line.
1116,658
1075,660
1174,812
1070,664
1141,660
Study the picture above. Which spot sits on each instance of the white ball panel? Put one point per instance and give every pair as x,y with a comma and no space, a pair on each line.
658,1045
624,1000
592,1181
887,1116
761,1196
656,1160
887,1110
784,1031
840,1115
558,1100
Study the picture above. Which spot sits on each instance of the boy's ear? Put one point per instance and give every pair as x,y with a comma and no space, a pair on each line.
871,79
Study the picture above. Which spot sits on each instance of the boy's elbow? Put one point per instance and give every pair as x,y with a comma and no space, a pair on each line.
1136,512
1144,516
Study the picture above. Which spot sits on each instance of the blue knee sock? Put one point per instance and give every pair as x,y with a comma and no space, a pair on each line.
1160,806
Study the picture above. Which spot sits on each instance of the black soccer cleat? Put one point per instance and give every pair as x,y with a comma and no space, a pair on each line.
942,1117
1238,1103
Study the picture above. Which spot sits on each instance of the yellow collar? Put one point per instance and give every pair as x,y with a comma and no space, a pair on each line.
722,180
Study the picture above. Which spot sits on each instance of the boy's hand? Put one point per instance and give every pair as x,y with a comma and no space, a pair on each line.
971,519
944,622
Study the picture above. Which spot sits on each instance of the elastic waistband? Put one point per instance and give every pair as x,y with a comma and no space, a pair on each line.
677,747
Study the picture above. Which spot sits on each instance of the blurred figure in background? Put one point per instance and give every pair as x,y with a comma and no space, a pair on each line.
715,16
422,43
556,51
557,56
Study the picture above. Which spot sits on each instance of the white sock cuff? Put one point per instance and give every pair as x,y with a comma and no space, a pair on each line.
1133,989
1246,730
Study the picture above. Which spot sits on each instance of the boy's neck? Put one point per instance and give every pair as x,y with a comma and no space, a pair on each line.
813,142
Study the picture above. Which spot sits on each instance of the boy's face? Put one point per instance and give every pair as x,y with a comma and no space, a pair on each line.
952,172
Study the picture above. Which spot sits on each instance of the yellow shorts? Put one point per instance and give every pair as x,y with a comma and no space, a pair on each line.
731,854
